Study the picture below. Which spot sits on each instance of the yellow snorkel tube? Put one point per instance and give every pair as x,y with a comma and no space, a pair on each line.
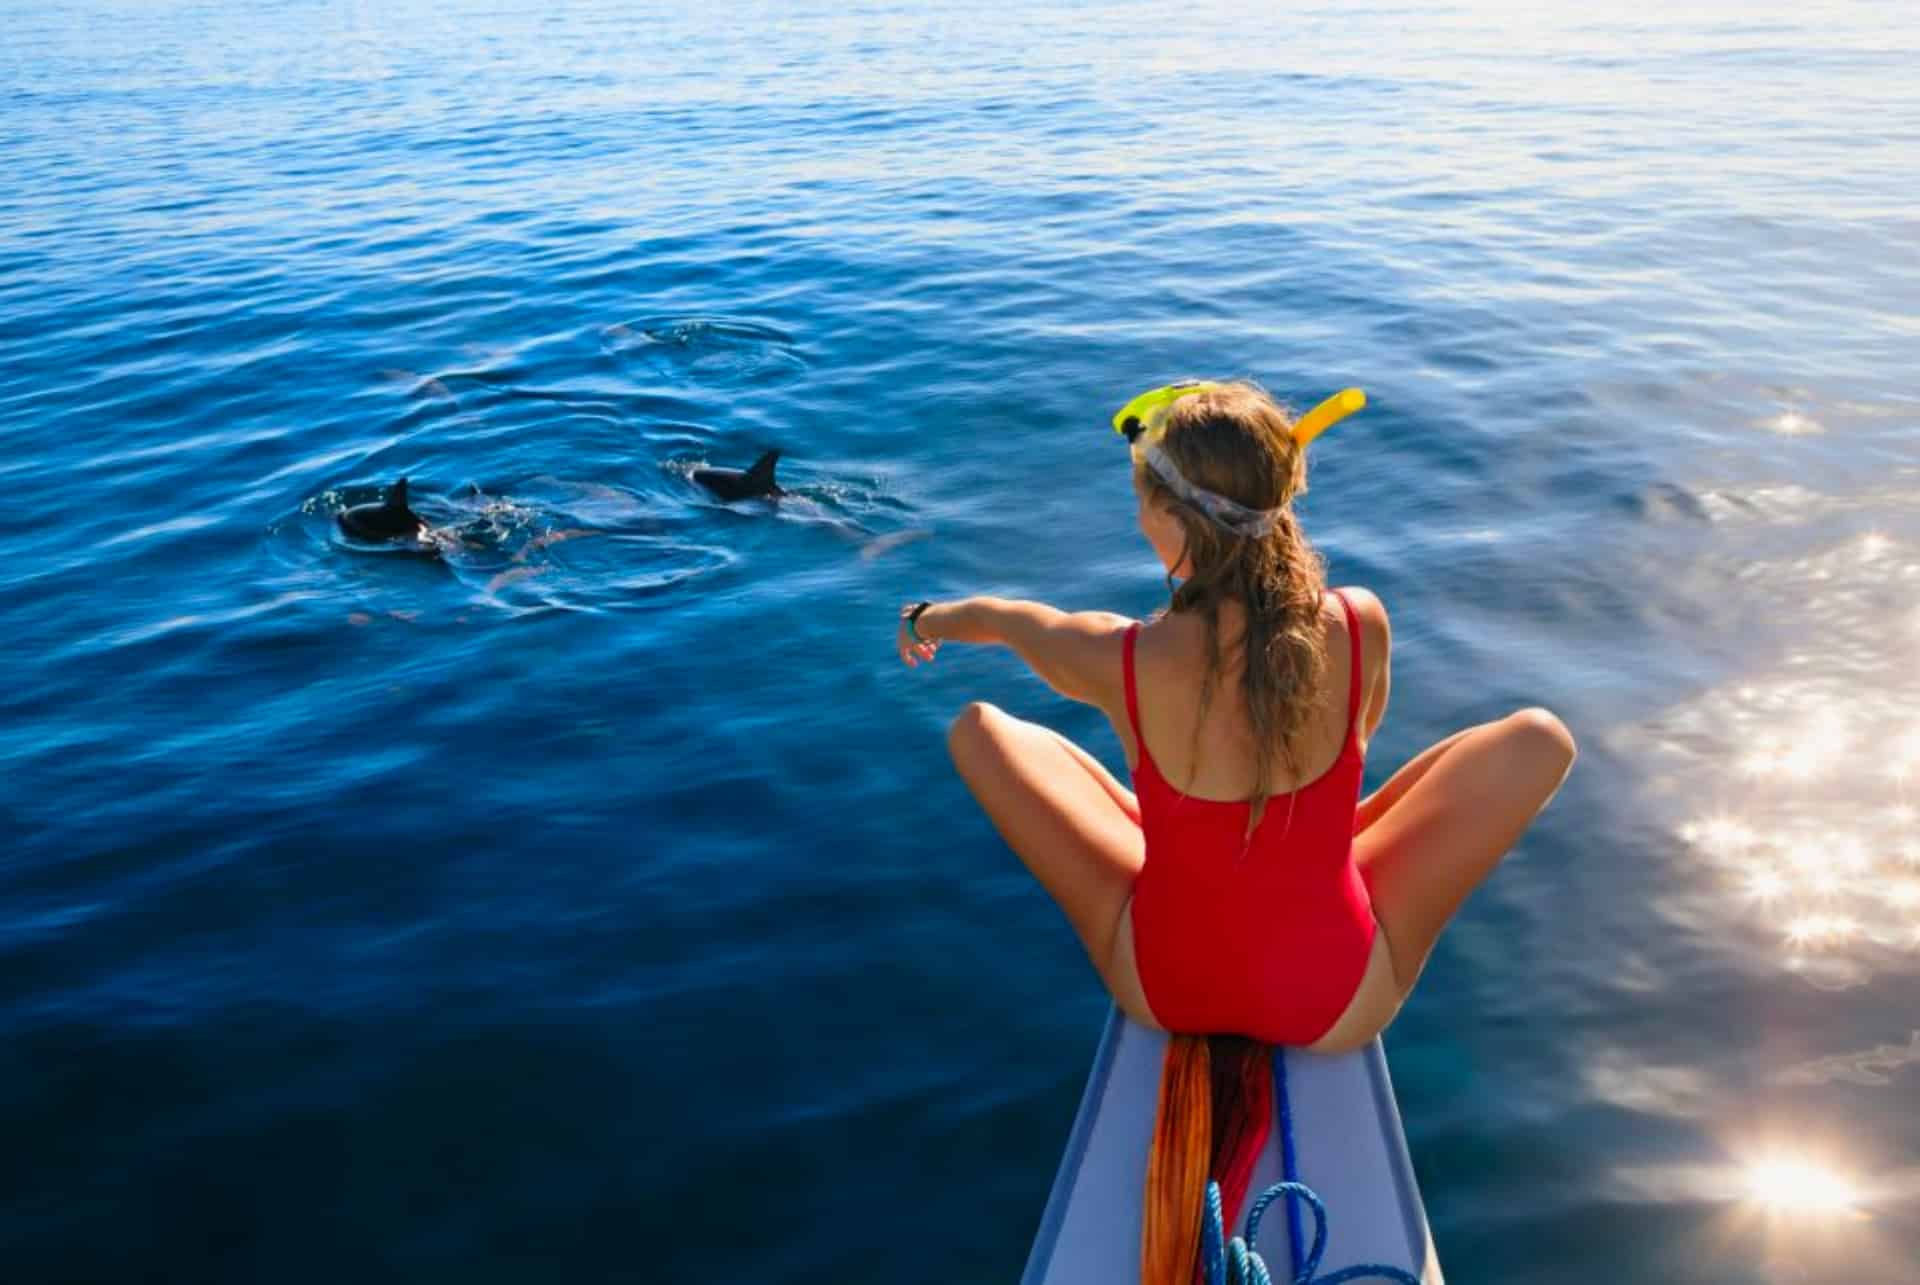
1327,414
1145,414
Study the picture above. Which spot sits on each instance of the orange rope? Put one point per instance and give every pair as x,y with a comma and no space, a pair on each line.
1177,1165
1214,1113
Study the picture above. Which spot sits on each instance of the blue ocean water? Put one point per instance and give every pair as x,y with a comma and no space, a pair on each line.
596,902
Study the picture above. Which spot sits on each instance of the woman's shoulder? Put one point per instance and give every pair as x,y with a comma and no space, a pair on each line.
1375,630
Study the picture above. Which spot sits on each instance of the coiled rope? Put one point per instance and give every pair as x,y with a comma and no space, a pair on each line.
1236,1262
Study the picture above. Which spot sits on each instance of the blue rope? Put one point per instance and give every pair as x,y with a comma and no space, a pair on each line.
1289,1158
1235,1262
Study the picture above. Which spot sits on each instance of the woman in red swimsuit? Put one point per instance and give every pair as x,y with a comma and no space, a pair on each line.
1246,888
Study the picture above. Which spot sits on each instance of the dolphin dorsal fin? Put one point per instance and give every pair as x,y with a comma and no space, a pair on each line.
397,495
761,474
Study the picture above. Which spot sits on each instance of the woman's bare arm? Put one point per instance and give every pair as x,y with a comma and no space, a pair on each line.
1376,639
1075,653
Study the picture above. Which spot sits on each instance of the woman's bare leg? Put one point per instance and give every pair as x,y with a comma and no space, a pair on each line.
1119,793
1374,805
1450,823
1065,817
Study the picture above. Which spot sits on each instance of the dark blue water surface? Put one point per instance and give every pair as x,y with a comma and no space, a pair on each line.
596,902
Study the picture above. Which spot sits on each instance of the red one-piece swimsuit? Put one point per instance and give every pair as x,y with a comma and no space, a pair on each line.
1266,937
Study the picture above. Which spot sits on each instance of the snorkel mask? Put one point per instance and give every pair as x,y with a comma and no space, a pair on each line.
1143,421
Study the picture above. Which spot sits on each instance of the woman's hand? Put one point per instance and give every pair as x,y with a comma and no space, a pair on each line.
911,649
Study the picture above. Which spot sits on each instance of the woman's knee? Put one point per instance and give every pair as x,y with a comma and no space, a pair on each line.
972,732
1540,741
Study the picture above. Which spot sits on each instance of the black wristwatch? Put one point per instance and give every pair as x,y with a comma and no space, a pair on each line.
911,613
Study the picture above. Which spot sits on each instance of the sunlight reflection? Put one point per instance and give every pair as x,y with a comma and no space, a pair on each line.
1906,754
1789,1179
1804,858
1800,820
1724,834
1806,1210
1808,805
1821,930
1790,1184
1793,424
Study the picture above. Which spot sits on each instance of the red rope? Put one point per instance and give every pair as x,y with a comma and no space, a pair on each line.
1242,1115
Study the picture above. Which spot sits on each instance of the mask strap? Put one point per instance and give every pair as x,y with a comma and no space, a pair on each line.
1218,509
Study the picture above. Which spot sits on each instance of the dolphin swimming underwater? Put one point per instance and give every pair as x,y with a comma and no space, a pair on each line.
733,484
390,519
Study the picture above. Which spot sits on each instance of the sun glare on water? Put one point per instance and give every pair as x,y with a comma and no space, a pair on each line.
1810,805
1794,1185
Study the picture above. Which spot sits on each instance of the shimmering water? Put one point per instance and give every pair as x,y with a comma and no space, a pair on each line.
596,902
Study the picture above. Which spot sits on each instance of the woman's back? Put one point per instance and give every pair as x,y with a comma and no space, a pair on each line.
1170,659
1261,927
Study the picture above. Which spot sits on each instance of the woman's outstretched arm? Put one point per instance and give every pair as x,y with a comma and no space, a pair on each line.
1075,653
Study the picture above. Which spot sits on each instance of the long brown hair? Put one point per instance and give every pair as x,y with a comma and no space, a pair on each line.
1235,441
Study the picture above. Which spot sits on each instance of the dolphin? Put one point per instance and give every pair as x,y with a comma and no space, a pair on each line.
733,484
390,519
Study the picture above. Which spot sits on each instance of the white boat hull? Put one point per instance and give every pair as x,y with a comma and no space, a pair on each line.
1348,1147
